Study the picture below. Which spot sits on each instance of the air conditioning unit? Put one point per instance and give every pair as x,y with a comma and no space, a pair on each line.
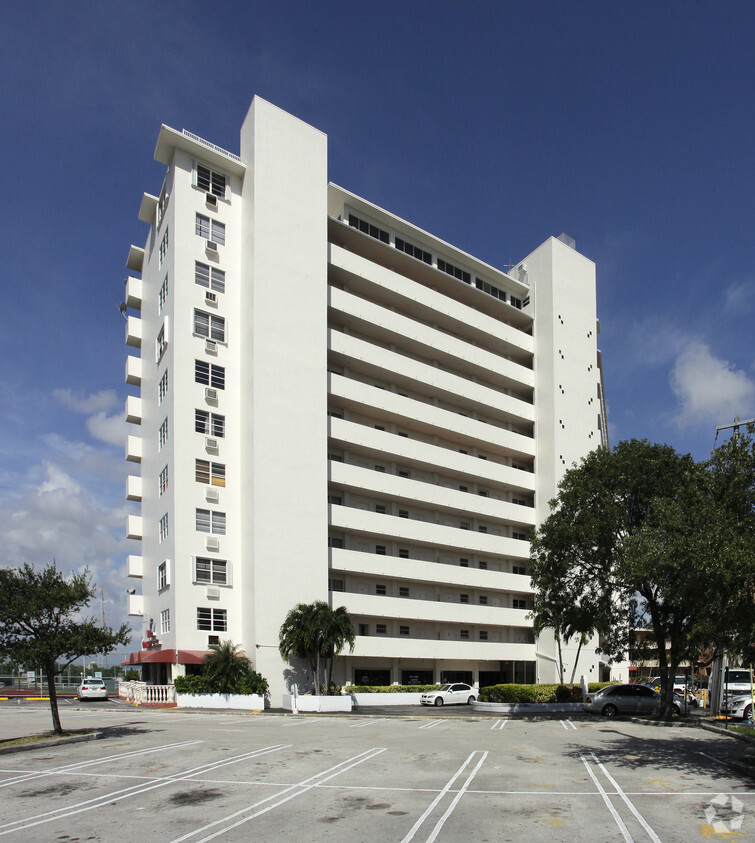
210,345
211,298
211,199
212,495
212,543
211,394
213,593
211,443
211,246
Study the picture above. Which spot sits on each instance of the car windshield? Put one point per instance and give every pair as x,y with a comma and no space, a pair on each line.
445,687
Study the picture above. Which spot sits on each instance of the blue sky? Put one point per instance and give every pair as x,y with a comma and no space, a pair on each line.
494,124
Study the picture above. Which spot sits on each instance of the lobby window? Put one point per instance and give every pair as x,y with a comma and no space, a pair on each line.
210,473
209,325
210,521
211,424
215,620
211,571
209,277
209,374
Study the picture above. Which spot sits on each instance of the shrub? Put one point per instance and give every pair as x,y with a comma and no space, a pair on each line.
390,689
195,684
253,683
545,692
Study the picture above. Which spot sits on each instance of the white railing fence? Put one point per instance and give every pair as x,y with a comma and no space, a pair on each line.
140,693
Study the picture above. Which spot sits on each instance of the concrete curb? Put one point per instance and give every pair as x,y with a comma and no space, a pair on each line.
43,744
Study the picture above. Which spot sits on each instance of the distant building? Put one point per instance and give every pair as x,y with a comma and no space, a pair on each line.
332,404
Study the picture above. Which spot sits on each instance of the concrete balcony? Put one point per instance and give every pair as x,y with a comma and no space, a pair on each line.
134,370
133,409
134,331
135,605
381,646
134,527
135,260
148,209
134,293
135,566
133,488
134,448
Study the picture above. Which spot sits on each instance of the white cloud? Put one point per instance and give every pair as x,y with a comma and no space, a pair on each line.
653,341
738,297
110,429
106,399
709,390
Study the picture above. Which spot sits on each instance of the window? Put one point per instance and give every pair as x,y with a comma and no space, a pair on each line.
164,621
403,472
163,527
164,480
521,536
463,598
162,437
215,620
210,521
483,493
403,513
380,549
162,204
335,542
211,424
519,501
465,525
209,374
464,563
335,585
368,228
209,325
211,571
162,389
482,528
516,302
519,604
212,473
210,181
518,569
380,508
403,591
209,229
464,634
381,589
381,629
163,295
483,635
163,251
463,488
483,565
209,277
450,269
403,630
490,289
336,499
379,468
414,251
483,600
403,553
161,343
162,576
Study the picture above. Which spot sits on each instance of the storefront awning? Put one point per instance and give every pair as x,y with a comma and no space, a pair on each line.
166,657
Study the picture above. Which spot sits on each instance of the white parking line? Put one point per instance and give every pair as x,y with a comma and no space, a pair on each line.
567,724
364,723
456,799
127,792
449,784
303,787
499,724
432,724
614,813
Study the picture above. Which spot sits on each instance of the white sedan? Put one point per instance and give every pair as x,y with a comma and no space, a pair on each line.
92,689
451,694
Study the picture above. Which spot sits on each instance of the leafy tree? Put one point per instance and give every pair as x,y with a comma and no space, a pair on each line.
41,623
225,667
315,632
637,537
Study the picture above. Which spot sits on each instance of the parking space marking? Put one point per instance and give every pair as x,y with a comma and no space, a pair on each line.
364,723
432,724
303,787
567,724
301,722
499,724
614,813
449,784
126,793
103,760
712,758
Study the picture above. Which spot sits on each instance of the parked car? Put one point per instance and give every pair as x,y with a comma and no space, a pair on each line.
453,693
625,699
737,681
740,706
92,689
680,683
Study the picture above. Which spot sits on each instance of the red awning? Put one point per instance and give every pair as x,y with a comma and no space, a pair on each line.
166,657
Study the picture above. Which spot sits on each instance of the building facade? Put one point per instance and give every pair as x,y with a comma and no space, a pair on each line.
332,404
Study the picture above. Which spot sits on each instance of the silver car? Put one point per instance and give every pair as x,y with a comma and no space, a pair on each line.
92,689
454,693
625,699
738,706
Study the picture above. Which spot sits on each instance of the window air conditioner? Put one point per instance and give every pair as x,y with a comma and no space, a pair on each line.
213,593
211,199
211,443
212,543
212,495
211,246
211,394
211,298
210,345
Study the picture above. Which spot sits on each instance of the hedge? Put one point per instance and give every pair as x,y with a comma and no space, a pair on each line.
544,693
253,683
390,689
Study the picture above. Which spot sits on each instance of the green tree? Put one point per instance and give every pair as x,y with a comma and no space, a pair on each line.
226,666
314,632
41,623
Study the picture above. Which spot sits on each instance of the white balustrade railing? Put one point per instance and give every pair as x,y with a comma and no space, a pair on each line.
140,693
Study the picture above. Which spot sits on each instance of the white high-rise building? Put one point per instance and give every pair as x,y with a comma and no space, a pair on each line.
331,404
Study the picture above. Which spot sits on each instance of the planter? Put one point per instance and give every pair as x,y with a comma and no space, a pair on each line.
526,708
245,702
311,703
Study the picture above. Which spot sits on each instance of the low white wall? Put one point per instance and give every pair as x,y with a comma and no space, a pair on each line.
247,702
312,703
366,700
526,708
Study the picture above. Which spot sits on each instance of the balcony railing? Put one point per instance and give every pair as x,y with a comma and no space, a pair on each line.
140,693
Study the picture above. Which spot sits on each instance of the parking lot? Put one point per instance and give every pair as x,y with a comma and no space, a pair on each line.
182,775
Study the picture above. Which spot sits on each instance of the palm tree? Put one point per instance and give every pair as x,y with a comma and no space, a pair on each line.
298,637
226,666
337,632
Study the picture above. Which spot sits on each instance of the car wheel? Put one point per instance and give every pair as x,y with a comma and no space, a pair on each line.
471,700
609,711
439,701
675,709
747,713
